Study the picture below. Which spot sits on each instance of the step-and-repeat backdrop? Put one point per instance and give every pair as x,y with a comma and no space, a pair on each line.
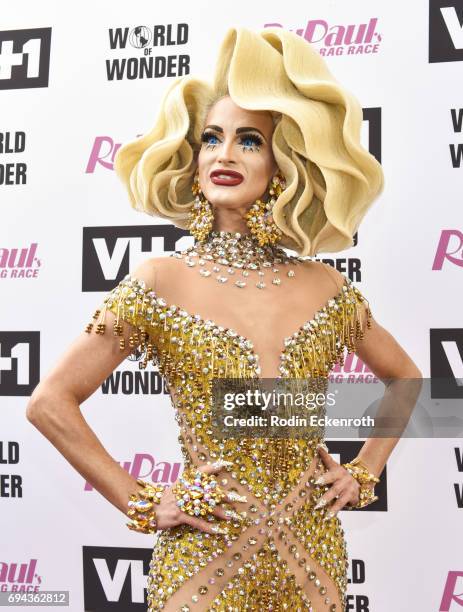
77,81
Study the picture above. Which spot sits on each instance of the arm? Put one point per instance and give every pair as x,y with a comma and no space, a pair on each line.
390,363
54,407
387,360
54,410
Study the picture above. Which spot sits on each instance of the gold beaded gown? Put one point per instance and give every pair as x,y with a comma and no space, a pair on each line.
283,556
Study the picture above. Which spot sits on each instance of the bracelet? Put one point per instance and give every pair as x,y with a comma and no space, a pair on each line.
141,510
358,470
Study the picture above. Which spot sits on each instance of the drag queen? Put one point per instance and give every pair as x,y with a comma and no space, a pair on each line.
266,156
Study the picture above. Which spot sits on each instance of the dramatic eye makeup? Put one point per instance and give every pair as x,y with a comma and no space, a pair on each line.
249,140
255,139
210,139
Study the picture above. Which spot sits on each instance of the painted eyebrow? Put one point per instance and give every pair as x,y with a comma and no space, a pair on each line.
240,130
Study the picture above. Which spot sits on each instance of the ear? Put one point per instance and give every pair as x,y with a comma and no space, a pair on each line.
275,168
274,164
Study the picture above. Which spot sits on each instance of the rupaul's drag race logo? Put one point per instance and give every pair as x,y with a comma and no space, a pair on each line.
19,577
354,370
19,262
339,39
102,154
453,592
146,467
449,248
137,56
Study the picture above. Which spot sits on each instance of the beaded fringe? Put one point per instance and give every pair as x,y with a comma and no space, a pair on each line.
189,353
179,343
129,302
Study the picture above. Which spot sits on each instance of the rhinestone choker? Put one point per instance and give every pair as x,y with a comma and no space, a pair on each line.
238,258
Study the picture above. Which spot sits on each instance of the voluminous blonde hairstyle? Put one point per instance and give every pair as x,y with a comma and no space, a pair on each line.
331,180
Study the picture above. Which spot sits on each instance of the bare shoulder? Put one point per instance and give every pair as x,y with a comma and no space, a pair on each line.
155,271
322,274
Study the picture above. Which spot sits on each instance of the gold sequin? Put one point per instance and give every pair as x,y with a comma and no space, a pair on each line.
281,533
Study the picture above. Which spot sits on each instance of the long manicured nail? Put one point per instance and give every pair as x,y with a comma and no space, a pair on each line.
222,463
320,480
322,445
233,514
232,496
320,504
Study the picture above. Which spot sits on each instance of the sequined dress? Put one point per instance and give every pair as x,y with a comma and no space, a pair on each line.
283,555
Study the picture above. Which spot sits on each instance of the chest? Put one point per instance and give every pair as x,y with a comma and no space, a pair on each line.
187,343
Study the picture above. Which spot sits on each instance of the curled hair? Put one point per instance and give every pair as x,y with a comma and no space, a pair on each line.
331,179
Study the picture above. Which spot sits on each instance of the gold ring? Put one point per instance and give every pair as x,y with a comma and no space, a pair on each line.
197,493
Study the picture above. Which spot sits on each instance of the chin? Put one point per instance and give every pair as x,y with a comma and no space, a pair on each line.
225,196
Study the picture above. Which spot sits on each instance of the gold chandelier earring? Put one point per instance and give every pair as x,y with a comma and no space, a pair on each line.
259,217
201,215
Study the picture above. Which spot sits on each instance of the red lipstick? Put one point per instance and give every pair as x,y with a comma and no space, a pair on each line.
226,177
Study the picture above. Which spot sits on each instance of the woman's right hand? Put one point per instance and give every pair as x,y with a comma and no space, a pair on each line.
168,514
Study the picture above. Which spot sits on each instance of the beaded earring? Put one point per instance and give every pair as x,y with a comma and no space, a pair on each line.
259,217
201,215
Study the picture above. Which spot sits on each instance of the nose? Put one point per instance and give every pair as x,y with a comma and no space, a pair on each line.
226,152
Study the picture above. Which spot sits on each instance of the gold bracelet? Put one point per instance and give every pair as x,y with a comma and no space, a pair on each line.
358,470
141,510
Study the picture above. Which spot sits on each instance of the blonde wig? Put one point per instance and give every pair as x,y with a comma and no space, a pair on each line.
331,180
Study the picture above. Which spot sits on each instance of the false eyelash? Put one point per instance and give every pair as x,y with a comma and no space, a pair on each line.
205,136
257,139
254,137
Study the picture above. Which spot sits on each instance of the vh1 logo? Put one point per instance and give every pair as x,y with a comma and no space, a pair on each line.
109,253
24,58
445,31
19,362
115,578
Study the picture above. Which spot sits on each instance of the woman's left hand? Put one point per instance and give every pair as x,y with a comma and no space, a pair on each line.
344,488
